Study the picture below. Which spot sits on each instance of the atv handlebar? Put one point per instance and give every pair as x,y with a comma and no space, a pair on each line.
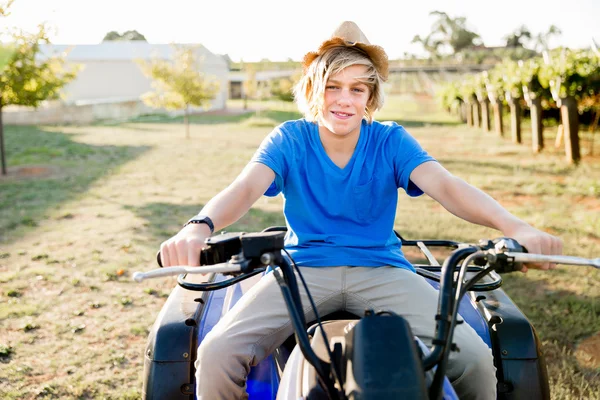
539,258
223,268
227,254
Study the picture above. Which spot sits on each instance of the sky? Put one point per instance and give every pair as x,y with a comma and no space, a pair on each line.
252,30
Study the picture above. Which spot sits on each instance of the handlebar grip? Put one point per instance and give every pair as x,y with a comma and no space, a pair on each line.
159,262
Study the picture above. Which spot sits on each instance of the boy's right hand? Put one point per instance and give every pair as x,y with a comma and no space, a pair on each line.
184,248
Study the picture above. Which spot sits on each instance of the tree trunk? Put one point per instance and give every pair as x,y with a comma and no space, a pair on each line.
485,115
515,119
462,111
594,125
537,128
2,154
559,136
593,131
476,114
469,108
498,125
186,121
570,117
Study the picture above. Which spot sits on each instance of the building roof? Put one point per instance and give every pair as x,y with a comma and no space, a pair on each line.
122,51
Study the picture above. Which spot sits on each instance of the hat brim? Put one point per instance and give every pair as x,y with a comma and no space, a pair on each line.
376,53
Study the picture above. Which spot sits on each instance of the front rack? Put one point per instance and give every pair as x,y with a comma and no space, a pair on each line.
433,269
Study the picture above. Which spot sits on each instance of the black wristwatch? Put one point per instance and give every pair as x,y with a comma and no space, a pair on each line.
202,219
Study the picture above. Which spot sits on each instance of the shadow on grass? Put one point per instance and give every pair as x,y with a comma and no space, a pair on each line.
549,307
208,118
72,167
504,168
166,219
280,116
560,317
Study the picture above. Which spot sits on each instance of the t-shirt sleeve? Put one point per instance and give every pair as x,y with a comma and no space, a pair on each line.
271,153
407,155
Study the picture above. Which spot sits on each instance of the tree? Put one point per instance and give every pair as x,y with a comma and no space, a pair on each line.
4,6
283,88
518,37
542,39
572,76
6,53
111,36
179,83
29,78
429,44
453,32
126,36
250,84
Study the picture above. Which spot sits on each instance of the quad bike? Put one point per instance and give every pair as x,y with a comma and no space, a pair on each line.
346,356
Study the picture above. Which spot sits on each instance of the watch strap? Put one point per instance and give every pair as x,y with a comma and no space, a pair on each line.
202,219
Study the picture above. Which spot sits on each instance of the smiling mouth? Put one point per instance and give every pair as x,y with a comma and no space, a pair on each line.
341,114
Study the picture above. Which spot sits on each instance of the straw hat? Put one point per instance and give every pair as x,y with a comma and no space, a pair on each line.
349,34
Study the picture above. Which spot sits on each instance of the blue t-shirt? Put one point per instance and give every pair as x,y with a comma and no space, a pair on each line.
342,216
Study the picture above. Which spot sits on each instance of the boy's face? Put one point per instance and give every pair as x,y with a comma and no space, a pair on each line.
345,101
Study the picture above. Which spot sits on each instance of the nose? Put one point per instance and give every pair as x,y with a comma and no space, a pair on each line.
344,98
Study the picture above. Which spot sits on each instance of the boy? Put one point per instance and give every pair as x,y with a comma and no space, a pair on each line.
339,172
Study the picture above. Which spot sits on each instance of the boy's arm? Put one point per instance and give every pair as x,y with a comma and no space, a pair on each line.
473,205
224,209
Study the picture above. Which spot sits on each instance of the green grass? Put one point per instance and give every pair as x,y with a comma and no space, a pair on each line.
74,325
204,119
71,167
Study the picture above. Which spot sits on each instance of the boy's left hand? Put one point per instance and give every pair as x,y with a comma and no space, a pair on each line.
536,242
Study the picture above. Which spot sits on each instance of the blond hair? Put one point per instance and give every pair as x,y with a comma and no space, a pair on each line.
309,92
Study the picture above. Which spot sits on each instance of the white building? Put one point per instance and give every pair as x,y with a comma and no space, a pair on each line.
110,82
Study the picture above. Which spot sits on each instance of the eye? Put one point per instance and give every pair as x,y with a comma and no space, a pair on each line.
359,90
331,87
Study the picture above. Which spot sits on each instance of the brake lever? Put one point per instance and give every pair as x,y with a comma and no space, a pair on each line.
497,251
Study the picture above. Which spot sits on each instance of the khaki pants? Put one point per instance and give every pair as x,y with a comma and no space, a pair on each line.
259,323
